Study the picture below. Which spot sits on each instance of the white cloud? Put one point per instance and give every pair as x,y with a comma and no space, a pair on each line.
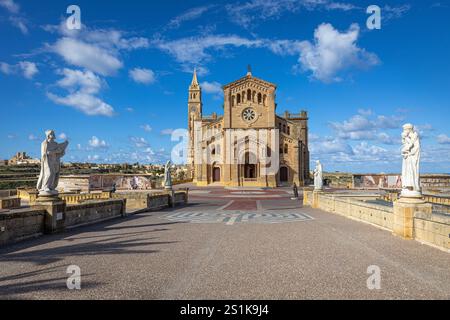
367,126
10,5
146,128
62,136
16,18
193,51
189,15
167,132
84,102
141,75
254,12
214,88
82,87
443,139
365,112
5,68
26,68
32,137
333,52
94,157
85,81
129,109
139,142
29,69
86,55
330,146
98,50
96,143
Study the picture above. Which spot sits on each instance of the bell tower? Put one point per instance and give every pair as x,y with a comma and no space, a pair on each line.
194,101
194,114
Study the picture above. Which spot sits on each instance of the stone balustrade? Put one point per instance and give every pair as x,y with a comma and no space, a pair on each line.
74,210
410,221
9,203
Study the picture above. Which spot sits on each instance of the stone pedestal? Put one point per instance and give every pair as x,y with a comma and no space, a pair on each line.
315,198
56,213
404,210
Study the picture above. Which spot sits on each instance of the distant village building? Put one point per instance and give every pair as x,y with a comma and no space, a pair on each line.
21,158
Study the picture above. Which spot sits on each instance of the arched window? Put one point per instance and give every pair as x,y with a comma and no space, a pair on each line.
264,99
249,95
281,150
238,99
286,148
213,151
254,96
259,98
288,130
243,96
284,128
269,152
232,100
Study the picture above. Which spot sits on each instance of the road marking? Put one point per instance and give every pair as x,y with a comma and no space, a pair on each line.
259,205
226,205
232,220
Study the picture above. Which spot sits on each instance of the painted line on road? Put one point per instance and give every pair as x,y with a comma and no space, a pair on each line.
226,205
232,220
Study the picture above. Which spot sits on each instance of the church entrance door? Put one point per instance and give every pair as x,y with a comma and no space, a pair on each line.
283,174
216,174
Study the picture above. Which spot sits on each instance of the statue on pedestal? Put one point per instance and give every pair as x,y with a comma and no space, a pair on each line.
51,154
411,162
318,177
167,176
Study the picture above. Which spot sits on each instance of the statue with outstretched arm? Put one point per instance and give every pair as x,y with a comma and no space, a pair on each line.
51,154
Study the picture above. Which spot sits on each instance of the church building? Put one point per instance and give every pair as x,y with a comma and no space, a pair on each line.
250,145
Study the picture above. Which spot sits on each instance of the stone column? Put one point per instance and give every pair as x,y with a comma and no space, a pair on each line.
56,213
404,212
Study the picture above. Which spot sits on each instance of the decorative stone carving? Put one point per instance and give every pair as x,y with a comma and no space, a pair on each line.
318,176
411,162
51,154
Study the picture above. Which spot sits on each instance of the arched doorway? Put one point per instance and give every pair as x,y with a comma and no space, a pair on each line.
216,174
249,171
284,174
250,166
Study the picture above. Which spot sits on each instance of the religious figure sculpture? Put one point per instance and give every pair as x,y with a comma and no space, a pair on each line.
51,154
318,176
411,162
167,176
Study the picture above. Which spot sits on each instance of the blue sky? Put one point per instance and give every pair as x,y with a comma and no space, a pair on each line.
117,87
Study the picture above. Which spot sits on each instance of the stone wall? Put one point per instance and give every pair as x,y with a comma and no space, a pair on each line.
9,203
92,212
429,228
21,224
8,193
143,201
434,230
50,217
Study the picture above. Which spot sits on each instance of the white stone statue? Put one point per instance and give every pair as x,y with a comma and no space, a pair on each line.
411,162
167,176
51,154
318,176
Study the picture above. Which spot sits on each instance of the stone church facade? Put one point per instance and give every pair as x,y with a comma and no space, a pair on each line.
249,145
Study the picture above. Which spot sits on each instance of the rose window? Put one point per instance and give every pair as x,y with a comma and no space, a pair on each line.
249,114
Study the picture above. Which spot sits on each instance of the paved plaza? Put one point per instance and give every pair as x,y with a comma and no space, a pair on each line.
226,244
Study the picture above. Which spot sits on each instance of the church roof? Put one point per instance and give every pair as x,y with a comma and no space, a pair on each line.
249,76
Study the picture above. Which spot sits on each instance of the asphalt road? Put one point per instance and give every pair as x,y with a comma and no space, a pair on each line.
147,256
